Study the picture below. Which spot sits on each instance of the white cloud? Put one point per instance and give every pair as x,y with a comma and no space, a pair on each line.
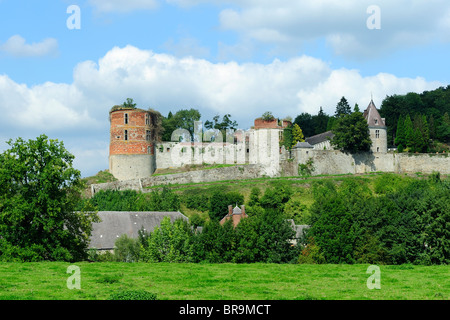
77,113
17,46
343,24
123,6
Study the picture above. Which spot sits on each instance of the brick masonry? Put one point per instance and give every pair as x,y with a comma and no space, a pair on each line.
132,146
128,132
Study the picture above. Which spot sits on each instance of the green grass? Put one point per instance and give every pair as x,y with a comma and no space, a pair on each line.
47,280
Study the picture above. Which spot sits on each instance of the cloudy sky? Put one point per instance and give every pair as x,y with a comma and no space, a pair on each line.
65,63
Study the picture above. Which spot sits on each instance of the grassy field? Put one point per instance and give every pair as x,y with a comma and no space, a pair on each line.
48,281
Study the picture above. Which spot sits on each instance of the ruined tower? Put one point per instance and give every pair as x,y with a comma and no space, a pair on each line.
132,143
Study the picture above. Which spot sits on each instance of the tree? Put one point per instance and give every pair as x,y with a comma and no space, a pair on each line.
219,202
409,132
265,237
267,116
40,191
297,135
129,103
330,123
304,121
286,141
223,125
182,119
320,122
342,108
421,134
443,130
170,242
400,136
351,133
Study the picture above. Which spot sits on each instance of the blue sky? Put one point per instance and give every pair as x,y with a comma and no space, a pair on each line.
221,56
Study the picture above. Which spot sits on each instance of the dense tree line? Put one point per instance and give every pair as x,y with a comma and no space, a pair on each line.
402,220
433,106
407,223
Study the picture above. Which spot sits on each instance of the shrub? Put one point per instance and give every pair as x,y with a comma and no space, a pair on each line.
311,254
219,202
306,169
133,295
127,249
170,242
196,201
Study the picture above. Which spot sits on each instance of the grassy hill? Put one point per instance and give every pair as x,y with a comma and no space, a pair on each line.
301,186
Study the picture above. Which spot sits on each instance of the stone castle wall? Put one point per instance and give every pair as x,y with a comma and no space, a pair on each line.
336,162
237,172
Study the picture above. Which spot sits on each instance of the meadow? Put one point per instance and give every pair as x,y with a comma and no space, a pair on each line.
258,281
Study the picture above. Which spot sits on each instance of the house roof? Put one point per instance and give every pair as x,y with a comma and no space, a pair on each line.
318,138
237,210
373,117
303,145
298,228
116,223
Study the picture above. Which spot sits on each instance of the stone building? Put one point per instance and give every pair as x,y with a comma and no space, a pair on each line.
377,128
321,141
132,143
113,224
136,154
235,214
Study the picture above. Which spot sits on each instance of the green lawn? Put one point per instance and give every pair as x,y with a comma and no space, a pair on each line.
48,280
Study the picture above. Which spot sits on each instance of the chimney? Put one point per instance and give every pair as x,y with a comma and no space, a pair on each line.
230,210
243,210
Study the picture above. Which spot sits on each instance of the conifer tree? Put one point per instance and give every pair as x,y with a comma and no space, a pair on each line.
409,132
297,135
400,138
421,134
342,108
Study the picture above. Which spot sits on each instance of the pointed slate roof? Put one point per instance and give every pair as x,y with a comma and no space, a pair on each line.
373,117
237,210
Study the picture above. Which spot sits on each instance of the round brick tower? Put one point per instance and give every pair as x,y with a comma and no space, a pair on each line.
131,149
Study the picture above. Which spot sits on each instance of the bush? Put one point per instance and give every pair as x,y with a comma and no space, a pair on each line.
127,249
196,201
311,254
133,295
130,200
219,202
170,242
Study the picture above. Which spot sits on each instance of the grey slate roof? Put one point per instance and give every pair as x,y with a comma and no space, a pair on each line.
373,117
318,138
298,228
303,145
115,223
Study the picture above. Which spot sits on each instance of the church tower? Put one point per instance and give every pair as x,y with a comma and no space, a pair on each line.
377,128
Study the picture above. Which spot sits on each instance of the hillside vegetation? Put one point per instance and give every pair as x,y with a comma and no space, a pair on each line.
376,218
